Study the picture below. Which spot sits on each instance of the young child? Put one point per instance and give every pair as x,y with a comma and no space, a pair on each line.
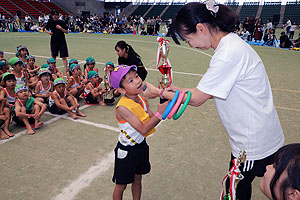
23,53
75,83
27,109
32,68
44,87
3,67
60,98
136,121
71,61
89,66
109,67
17,65
56,73
93,93
7,100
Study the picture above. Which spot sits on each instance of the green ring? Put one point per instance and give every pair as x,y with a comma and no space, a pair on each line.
186,102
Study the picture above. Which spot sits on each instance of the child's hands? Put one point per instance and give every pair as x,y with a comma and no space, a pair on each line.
48,94
162,107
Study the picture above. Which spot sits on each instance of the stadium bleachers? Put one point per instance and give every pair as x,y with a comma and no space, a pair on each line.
53,6
30,10
233,5
156,10
6,14
292,10
269,9
171,12
41,7
141,10
10,7
248,9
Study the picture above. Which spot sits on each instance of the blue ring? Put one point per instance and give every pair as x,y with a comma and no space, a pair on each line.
170,105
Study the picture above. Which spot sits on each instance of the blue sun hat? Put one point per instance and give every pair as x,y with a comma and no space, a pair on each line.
90,60
74,66
3,63
92,74
51,60
30,57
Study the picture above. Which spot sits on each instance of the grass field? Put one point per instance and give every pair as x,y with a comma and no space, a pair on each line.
68,159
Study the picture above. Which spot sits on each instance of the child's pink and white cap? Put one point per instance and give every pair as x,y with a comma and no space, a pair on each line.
119,72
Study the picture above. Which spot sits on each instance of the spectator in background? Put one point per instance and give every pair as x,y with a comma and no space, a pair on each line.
292,30
27,19
284,41
41,20
258,30
251,27
296,43
246,23
288,25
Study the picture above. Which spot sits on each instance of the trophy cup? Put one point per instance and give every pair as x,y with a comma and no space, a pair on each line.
108,96
233,177
165,69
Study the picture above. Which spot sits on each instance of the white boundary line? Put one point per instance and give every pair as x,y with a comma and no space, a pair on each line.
85,179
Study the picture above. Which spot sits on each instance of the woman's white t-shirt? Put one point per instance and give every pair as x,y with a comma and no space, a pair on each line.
237,79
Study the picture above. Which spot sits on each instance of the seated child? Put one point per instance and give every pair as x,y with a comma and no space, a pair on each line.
22,53
3,67
71,61
109,67
7,100
93,93
89,66
75,83
61,101
17,65
56,73
32,68
136,121
44,87
27,109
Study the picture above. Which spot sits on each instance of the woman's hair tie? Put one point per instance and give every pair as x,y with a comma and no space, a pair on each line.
212,7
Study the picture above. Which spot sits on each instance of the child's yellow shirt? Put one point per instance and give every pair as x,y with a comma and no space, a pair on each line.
129,135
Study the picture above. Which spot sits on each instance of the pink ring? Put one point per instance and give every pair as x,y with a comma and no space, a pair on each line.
177,104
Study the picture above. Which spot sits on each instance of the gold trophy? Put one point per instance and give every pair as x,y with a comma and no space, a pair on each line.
108,96
165,69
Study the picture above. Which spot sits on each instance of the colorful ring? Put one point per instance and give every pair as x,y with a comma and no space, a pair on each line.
186,102
177,104
170,105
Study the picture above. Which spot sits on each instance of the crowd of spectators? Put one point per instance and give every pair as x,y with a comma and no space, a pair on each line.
109,24
254,30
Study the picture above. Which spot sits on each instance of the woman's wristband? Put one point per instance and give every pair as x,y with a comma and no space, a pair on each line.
158,115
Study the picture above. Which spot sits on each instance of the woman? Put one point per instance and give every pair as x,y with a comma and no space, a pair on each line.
237,81
258,30
282,179
127,56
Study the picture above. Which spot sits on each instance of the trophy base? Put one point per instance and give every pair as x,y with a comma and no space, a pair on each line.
109,101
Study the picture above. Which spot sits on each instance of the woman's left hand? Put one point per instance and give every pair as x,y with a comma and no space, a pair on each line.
151,91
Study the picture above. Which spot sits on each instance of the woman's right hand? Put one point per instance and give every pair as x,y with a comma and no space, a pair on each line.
151,91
